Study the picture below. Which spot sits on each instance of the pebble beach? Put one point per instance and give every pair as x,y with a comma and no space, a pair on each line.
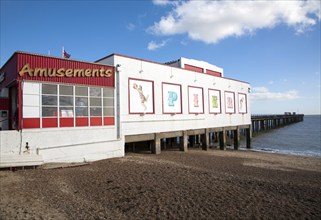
196,184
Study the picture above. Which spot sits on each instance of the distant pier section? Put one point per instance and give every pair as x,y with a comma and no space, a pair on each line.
267,122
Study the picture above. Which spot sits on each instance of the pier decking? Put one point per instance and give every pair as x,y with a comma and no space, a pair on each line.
267,122
205,138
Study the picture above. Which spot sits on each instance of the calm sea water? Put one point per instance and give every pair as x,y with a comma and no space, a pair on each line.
302,138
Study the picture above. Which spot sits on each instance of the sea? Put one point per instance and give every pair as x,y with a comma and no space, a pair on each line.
302,138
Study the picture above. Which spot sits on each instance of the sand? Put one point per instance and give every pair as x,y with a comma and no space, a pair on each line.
197,184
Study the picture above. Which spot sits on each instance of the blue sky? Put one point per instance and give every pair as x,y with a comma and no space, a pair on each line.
273,45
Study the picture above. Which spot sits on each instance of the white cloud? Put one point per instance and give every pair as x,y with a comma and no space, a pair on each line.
153,45
262,93
131,26
162,2
212,21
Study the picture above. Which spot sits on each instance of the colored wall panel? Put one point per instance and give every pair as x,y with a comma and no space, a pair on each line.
66,122
31,123
213,73
46,62
109,121
82,122
96,121
193,68
49,122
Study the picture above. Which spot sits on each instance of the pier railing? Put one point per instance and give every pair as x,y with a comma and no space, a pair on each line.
267,122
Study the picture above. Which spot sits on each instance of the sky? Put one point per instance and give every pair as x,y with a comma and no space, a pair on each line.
273,45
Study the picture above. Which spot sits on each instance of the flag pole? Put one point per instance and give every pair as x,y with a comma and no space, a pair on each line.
62,53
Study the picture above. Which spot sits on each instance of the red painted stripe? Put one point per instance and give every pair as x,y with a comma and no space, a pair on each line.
49,122
31,123
109,121
213,73
82,122
66,122
193,68
96,121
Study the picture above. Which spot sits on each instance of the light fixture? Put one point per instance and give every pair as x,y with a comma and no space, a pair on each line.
118,67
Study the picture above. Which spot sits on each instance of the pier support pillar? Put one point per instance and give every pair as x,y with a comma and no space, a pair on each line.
183,142
237,138
192,140
222,137
156,145
206,140
248,137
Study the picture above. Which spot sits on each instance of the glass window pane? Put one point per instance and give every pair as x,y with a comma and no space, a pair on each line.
81,111
66,101
49,89
49,100
95,111
49,111
109,112
66,112
108,92
95,101
108,102
95,91
81,101
81,91
66,90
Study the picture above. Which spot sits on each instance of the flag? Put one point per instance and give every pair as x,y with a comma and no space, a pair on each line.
65,54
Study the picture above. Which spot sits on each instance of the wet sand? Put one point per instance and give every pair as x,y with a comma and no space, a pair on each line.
173,185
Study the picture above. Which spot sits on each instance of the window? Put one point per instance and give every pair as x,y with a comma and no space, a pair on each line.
66,101
108,101
95,102
77,103
49,100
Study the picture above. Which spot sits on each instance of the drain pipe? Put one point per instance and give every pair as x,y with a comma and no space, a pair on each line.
118,100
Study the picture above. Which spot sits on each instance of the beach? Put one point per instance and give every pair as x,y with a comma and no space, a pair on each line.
196,184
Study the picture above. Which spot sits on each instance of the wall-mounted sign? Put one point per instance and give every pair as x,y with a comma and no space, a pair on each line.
229,102
141,96
242,103
172,98
64,72
214,99
195,100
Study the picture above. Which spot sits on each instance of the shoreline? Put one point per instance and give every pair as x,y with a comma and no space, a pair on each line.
282,152
196,184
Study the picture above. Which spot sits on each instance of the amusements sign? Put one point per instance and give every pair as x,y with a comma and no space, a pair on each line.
214,98
195,100
141,96
172,98
242,103
229,102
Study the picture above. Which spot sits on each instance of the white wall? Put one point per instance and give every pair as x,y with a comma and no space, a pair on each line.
64,145
159,122
69,144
